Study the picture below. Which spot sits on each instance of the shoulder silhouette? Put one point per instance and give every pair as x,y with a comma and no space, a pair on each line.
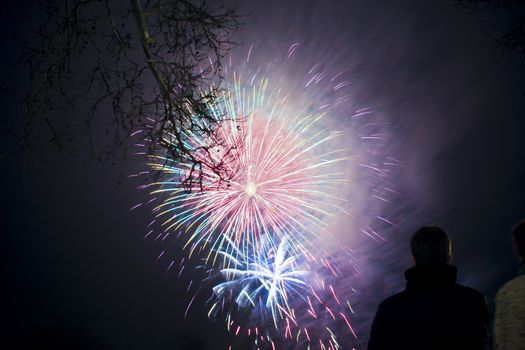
509,319
433,312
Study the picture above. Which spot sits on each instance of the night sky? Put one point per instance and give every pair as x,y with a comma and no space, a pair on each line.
76,265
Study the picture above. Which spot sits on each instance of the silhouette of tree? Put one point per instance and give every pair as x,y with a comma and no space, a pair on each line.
504,20
114,64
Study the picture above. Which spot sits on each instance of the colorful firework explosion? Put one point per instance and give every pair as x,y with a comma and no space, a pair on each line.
258,208
276,180
270,278
297,293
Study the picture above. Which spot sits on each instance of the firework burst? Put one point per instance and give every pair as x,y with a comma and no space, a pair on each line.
276,176
268,279
257,199
299,294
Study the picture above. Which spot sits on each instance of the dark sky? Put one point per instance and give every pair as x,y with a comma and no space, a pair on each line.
76,263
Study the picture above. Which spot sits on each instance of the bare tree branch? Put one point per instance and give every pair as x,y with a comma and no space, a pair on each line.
504,20
122,66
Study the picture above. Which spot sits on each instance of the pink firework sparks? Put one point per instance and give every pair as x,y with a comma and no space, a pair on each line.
277,175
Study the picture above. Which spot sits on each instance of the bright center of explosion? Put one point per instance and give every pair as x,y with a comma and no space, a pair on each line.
250,189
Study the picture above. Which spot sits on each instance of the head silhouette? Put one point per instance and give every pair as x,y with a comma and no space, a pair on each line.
431,245
518,237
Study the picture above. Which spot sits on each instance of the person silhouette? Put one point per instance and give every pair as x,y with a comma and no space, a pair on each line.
509,318
433,312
